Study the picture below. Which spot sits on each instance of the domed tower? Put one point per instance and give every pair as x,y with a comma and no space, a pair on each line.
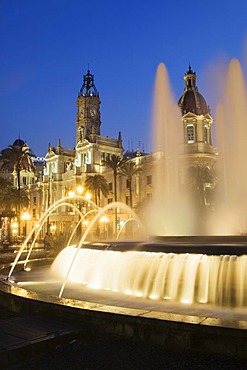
200,157
88,110
196,117
19,143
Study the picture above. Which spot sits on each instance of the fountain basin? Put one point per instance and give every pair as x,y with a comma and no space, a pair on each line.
210,332
215,328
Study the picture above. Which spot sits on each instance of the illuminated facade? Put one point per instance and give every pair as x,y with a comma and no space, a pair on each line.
66,169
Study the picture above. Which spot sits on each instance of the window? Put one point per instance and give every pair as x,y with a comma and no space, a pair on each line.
88,158
190,134
34,200
110,186
110,200
149,180
34,213
24,180
206,134
127,184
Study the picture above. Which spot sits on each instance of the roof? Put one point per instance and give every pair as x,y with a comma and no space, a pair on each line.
191,100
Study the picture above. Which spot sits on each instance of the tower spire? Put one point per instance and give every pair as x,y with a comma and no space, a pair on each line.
88,113
190,79
88,87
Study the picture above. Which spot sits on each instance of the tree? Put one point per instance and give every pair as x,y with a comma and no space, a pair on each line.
4,183
197,178
11,198
17,158
129,169
115,162
97,184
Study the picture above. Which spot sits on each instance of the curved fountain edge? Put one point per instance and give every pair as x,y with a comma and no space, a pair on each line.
197,333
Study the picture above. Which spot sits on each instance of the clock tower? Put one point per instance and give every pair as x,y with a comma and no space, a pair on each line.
88,111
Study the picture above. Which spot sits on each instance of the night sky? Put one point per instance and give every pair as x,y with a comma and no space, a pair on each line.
47,46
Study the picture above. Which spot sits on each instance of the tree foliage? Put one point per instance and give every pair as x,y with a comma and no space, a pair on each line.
129,169
197,179
114,162
11,198
97,184
16,158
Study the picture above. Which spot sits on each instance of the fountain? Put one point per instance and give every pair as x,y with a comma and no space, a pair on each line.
206,269
185,269
231,137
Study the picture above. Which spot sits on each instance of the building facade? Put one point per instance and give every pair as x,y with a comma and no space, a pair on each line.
64,171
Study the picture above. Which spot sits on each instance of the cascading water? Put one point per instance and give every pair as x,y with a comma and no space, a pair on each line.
186,278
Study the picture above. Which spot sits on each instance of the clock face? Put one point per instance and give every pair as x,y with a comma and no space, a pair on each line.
93,112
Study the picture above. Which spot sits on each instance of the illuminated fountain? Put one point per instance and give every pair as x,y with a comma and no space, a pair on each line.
191,271
231,135
149,270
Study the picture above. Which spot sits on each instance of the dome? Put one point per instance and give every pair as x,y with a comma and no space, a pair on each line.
18,142
192,101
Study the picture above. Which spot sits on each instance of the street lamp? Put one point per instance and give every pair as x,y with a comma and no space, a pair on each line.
104,220
71,194
88,196
25,217
14,227
80,189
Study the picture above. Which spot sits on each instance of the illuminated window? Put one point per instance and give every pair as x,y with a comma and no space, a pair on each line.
206,134
190,134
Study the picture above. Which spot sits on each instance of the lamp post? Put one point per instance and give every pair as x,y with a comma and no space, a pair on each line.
14,228
25,217
82,204
74,194
48,204
80,189
104,220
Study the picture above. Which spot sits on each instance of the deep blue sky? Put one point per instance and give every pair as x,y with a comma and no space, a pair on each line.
46,47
